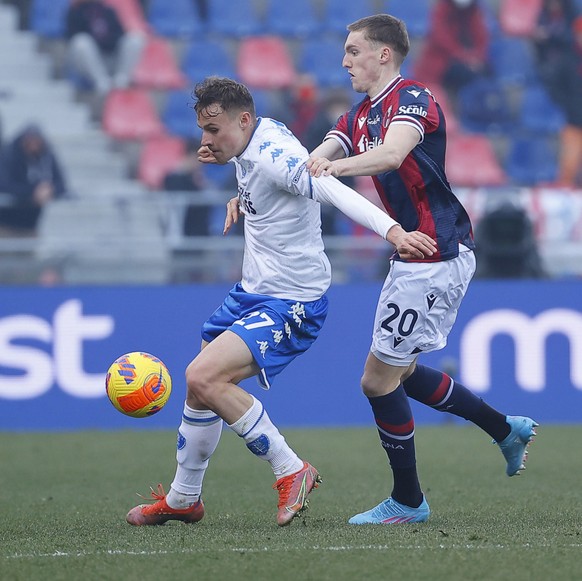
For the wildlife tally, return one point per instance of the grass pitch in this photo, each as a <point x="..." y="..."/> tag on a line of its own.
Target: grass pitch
<point x="63" y="500"/>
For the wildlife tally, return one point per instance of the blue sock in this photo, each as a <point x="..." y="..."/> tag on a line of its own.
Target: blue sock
<point x="441" y="392"/>
<point x="395" y="425"/>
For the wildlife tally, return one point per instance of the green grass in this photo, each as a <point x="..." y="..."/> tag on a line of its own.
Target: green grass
<point x="63" y="500"/>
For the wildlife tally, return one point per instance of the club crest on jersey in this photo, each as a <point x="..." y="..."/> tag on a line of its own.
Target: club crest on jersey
<point x="387" y="116"/>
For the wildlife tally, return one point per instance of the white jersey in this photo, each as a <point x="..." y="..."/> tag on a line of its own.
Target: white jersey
<point x="284" y="253"/>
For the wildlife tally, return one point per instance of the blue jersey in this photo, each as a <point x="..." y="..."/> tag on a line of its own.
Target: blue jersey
<point x="418" y="194"/>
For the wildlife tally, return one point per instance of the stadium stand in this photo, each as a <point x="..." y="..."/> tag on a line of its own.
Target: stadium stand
<point x="47" y="18"/>
<point x="265" y="62"/>
<point x="243" y="18"/>
<point x="472" y="162"/>
<point x="158" y="68"/>
<point x="338" y="13"/>
<point x="177" y="115"/>
<point x="159" y="155"/>
<point x="296" y="19"/>
<point x="174" y="19"/>
<point x="299" y="38"/>
<point x="130" y="114"/>
<point x="518" y="17"/>
<point x="532" y="159"/>
<point x="206" y="56"/>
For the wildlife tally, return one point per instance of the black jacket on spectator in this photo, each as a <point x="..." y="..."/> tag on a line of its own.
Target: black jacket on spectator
<point x="96" y="19"/>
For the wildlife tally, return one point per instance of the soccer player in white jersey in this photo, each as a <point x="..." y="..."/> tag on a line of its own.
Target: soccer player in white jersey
<point x="274" y="313"/>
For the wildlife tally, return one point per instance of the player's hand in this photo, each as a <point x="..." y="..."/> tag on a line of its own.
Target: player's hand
<point x="411" y="245"/>
<point x="232" y="214"/>
<point x="205" y="155"/>
<point x="321" y="166"/>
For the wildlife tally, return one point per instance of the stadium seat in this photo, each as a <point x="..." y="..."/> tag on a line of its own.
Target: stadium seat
<point x="158" y="156"/>
<point x="157" y="68"/>
<point x="296" y="18"/>
<point x="471" y="162"/>
<point x="204" y="57"/>
<point x="484" y="106"/>
<point x="538" y="112"/>
<point x="129" y="114"/>
<point x="322" y="58"/>
<point x="177" y="18"/>
<point x="131" y="14"/>
<point x="339" y="13"/>
<point x="265" y="63"/>
<point x="519" y="17"/>
<point x="47" y="18"/>
<point x="242" y="19"/>
<point x="415" y="13"/>
<point x="532" y="160"/>
<point x="178" y="116"/>
<point x="512" y="60"/>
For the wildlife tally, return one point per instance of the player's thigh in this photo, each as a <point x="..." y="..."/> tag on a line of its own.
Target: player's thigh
<point x="226" y="358"/>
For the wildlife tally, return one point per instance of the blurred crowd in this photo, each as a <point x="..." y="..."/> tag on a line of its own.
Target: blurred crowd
<point x="459" y="57"/>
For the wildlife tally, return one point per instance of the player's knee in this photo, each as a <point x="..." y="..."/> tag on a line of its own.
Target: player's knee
<point x="199" y="384"/>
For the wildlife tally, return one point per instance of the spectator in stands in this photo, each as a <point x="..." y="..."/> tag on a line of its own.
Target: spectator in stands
<point x="558" y="45"/>
<point x="189" y="177"/>
<point x="100" y="49"/>
<point x="31" y="173"/>
<point x="299" y="105"/>
<point x="455" y="51"/>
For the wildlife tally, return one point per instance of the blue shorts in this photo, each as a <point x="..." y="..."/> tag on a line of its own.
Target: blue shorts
<point x="275" y="330"/>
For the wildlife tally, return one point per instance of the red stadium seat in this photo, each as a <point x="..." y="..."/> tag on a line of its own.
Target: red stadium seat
<point x="471" y="162"/>
<point x="159" y="155"/>
<point x="265" y="63"/>
<point x="157" y="68"/>
<point x="519" y="17"/>
<point x="130" y="114"/>
<point x="131" y="14"/>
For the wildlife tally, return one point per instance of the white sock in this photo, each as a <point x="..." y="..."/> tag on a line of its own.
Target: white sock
<point x="198" y="437"/>
<point x="265" y="441"/>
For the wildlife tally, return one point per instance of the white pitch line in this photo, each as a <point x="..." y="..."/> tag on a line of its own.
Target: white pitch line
<point x="339" y="548"/>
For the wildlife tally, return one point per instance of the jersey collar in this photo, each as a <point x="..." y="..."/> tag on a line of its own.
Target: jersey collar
<point x="386" y="90"/>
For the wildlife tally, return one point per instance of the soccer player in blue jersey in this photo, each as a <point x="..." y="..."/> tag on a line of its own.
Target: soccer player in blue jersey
<point x="276" y="311"/>
<point x="397" y="135"/>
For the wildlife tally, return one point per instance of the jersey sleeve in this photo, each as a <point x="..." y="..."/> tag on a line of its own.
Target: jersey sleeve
<point x="341" y="134"/>
<point x="330" y="190"/>
<point x="416" y="108"/>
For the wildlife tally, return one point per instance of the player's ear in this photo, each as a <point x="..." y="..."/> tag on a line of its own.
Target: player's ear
<point x="244" y="120"/>
<point x="386" y="55"/>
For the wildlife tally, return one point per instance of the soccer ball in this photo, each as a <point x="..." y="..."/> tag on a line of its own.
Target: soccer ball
<point x="138" y="384"/>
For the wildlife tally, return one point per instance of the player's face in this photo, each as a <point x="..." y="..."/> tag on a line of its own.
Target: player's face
<point x="223" y="133"/>
<point x="362" y="60"/>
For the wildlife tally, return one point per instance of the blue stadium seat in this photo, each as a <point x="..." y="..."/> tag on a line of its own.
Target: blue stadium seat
<point x="238" y="18"/>
<point x="532" y="159"/>
<point x="538" y="112"/>
<point x="175" y="18"/>
<point x="178" y="117"/>
<point x="512" y="60"/>
<point x="205" y="57"/>
<point x="484" y="106"/>
<point x="47" y="18"/>
<point x="339" y="13"/>
<point x="322" y="57"/>
<point x="294" y="18"/>
<point x="415" y="13"/>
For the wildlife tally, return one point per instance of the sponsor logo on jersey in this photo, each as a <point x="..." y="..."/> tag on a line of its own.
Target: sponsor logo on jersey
<point x="412" y="110"/>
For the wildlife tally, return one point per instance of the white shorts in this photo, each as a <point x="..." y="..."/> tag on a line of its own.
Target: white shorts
<point x="418" y="306"/>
